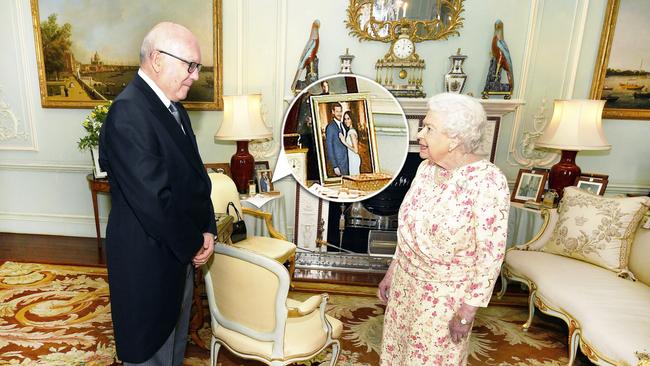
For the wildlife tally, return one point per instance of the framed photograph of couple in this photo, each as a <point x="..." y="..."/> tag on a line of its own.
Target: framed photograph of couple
<point x="529" y="185"/>
<point x="593" y="183"/>
<point x="87" y="51"/>
<point x="344" y="132"/>
<point x="621" y="71"/>
<point x="264" y="177"/>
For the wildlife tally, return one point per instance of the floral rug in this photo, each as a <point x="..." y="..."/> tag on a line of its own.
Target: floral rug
<point x="60" y="315"/>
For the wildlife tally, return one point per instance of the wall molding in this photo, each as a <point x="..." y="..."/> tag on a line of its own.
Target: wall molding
<point x="521" y="150"/>
<point x="50" y="224"/>
<point x="46" y="167"/>
<point x="23" y="130"/>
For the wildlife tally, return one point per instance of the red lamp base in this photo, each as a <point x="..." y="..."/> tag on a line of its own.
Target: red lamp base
<point x="564" y="173"/>
<point x="241" y="167"/>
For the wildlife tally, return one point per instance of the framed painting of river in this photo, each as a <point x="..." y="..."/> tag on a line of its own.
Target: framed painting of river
<point x="88" y="51"/>
<point x="621" y="73"/>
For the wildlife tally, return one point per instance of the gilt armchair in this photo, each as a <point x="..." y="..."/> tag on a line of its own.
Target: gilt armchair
<point x="252" y="317"/>
<point x="275" y="247"/>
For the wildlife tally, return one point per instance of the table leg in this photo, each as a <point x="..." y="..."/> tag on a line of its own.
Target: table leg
<point x="99" y="235"/>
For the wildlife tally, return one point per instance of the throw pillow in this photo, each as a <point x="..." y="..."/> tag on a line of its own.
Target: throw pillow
<point x="597" y="229"/>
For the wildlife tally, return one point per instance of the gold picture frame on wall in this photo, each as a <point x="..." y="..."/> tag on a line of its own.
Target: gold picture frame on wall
<point x="87" y="52"/>
<point x="619" y="75"/>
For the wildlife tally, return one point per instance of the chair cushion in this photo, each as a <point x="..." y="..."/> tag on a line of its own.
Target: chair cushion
<point x="277" y="249"/>
<point x="303" y="337"/>
<point x="612" y="312"/>
<point x="596" y="229"/>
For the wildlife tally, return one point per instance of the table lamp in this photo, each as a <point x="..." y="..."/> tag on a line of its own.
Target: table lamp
<point x="242" y="122"/>
<point x="576" y="125"/>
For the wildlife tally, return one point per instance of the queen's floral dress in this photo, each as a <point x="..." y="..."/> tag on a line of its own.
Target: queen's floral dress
<point x="451" y="243"/>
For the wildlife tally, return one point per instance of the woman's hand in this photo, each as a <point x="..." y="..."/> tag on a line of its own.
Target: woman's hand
<point x="383" y="289"/>
<point x="341" y="137"/>
<point x="457" y="329"/>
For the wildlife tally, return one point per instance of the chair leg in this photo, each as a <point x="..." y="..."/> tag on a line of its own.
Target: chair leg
<point x="336" y="349"/>
<point x="531" y="310"/>
<point x="574" y="341"/>
<point x="292" y="266"/>
<point x="504" y="285"/>
<point x="214" y="351"/>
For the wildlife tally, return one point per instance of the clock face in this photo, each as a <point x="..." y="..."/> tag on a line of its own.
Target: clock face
<point x="403" y="48"/>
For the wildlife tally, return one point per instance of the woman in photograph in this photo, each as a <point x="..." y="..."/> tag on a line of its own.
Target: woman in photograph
<point x="451" y="240"/>
<point x="351" y="141"/>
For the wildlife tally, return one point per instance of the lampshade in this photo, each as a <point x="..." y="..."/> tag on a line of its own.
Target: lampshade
<point x="576" y="125"/>
<point x="242" y="120"/>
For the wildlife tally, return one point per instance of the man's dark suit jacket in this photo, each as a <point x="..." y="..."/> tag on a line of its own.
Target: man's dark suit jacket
<point x="337" y="153"/>
<point x="160" y="209"/>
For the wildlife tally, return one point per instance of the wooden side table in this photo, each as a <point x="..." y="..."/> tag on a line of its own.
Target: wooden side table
<point x="97" y="185"/>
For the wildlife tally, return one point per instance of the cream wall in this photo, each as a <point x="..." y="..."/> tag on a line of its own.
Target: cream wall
<point x="554" y="45"/>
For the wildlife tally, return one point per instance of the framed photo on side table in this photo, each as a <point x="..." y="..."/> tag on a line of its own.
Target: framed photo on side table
<point x="593" y="183"/>
<point x="263" y="177"/>
<point x="529" y="185"/>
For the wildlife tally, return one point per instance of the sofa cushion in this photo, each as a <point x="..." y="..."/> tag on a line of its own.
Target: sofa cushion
<point x="640" y="253"/>
<point x="596" y="229"/>
<point x="612" y="312"/>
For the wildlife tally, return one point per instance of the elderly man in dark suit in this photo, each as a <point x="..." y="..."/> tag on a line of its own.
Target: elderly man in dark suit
<point x="337" y="153"/>
<point x="162" y="221"/>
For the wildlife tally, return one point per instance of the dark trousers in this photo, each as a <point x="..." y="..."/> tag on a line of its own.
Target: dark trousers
<point x="172" y="352"/>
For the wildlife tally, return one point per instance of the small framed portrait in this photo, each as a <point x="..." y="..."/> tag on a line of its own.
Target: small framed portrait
<point x="263" y="177"/>
<point x="593" y="183"/>
<point x="529" y="185"/>
<point x="261" y="165"/>
<point x="344" y="123"/>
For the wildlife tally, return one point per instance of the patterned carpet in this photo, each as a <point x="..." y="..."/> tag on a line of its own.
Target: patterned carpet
<point x="60" y="315"/>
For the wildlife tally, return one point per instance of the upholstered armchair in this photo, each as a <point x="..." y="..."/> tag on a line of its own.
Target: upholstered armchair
<point x="252" y="316"/>
<point x="276" y="247"/>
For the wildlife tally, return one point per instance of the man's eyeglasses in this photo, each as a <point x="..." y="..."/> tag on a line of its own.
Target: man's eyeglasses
<point x="191" y="66"/>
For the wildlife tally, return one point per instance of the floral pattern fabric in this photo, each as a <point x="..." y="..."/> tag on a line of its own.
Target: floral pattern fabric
<point x="595" y="229"/>
<point x="451" y="243"/>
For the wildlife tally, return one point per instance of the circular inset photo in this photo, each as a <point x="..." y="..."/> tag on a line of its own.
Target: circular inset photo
<point x="345" y="138"/>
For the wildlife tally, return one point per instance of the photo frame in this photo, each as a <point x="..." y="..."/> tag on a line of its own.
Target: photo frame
<point x="80" y="67"/>
<point x="264" y="178"/>
<point x="358" y="107"/>
<point x="261" y="165"/>
<point x="310" y="219"/>
<point x="217" y="167"/>
<point x="619" y="75"/>
<point x="593" y="183"/>
<point x="529" y="185"/>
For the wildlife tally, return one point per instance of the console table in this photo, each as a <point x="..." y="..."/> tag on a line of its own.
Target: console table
<point x="97" y="185"/>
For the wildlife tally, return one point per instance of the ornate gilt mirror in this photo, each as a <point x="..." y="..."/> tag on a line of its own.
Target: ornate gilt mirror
<point x="384" y="20"/>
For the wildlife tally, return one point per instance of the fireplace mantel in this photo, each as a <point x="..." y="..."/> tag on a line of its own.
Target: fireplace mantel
<point x="493" y="107"/>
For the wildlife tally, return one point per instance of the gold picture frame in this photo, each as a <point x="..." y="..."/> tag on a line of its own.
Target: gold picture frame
<point x="626" y="98"/>
<point x="91" y="67"/>
<point x="358" y="105"/>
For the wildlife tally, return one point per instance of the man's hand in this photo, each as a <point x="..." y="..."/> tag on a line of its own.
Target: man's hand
<point x="337" y="171"/>
<point x="457" y="330"/>
<point x="205" y="252"/>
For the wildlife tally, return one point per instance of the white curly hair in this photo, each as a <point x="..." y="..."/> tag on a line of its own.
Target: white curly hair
<point x="462" y="117"/>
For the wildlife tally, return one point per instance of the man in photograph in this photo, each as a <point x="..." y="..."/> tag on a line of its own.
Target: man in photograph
<point x="337" y="152"/>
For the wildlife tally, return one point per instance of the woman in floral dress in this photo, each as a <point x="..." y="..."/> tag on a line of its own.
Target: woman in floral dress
<point x="451" y="240"/>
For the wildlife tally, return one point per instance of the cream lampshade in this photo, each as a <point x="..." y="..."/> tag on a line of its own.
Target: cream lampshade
<point x="242" y="122"/>
<point x="576" y="125"/>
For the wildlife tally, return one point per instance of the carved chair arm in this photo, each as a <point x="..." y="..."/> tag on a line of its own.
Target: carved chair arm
<point x="306" y="307"/>
<point x="268" y="220"/>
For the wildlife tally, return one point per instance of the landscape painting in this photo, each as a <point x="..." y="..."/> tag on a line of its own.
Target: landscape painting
<point x="621" y="74"/>
<point x="88" y="50"/>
